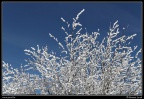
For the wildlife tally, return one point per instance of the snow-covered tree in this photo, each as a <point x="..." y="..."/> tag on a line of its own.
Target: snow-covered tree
<point x="87" y="66"/>
<point x="17" y="81"/>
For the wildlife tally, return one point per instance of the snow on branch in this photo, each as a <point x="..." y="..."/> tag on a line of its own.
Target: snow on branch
<point x="53" y="37"/>
<point x="65" y="22"/>
<point x="64" y="30"/>
<point x="75" y="25"/>
<point x="62" y="19"/>
<point x="78" y="32"/>
<point x="77" y="17"/>
<point x="135" y="47"/>
<point x="61" y="45"/>
<point x="56" y="40"/>
<point x="115" y="24"/>
<point x="138" y="53"/>
<point x="131" y="37"/>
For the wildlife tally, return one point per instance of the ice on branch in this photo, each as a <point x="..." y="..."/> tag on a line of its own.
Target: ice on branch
<point x="135" y="47"/>
<point x="65" y="22"/>
<point x="38" y="50"/>
<point x="53" y="37"/>
<point x="32" y="48"/>
<point x="63" y="28"/>
<point x="69" y="36"/>
<point x="74" y="20"/>
<point x="78" y="32"/>
<point x="62" y="19"/>
<point x="115" y="24"/>
<point x="64" y="52"/>
<point x="61" y="45"/>
<point x="138" y="53"/>
<point x="75" y="25"/>
<point x="131" y="37"/>
<point x="77" y="17"/>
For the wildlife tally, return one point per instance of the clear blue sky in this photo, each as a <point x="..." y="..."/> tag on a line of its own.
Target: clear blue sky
<point x="27" y="24"/>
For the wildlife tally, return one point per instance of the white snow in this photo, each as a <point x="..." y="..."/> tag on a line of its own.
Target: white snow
<point x="62" y="19"/>
<point x="79" y="14"/>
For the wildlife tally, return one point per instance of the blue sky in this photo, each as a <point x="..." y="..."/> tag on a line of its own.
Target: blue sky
<point x="27" y="24"/>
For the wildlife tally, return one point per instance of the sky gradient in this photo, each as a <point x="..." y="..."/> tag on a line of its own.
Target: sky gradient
<point x="27" y="24"/>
